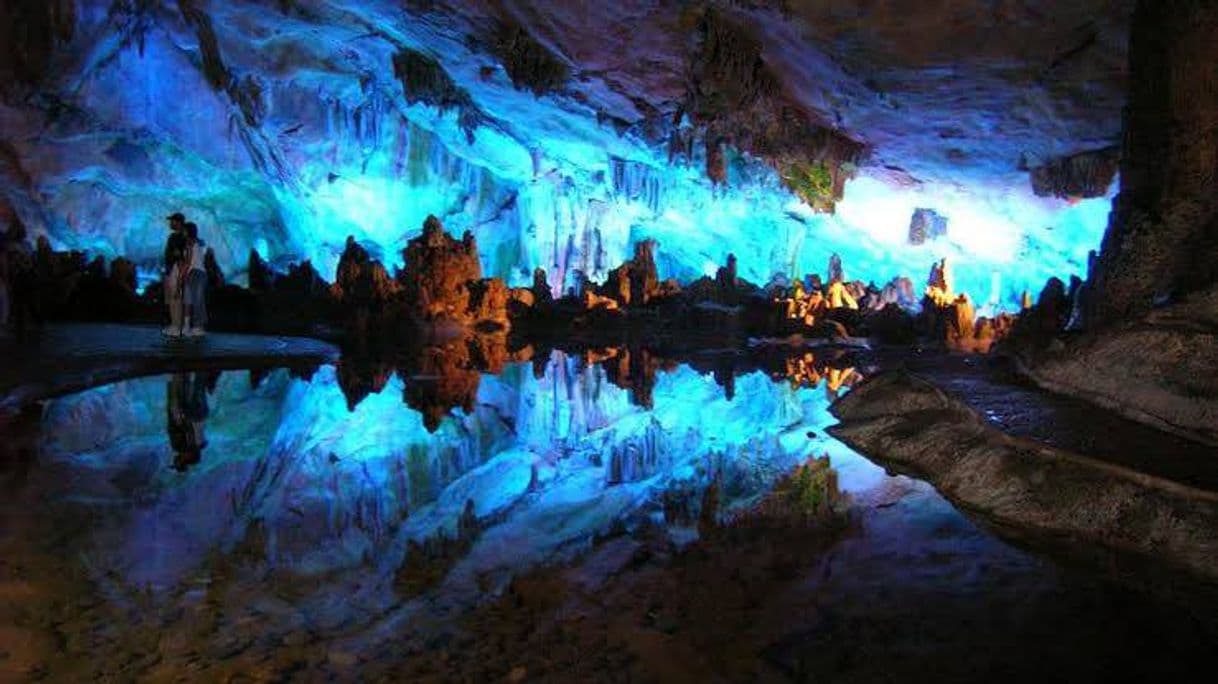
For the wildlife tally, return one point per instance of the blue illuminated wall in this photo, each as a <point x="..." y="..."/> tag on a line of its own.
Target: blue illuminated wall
<point x="337" y="151"/>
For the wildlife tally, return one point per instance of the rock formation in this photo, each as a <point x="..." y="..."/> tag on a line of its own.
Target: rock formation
<point x="914" y="427"/>
<point x="1163" y="231"/>
<point x="727" y="282"/>
<point x="836" y="273"/>
<point x="926" y="224"/>
<point x="634" y="283"/>
<point x="1152" y="295"/>
<point x="437" y="274"/>
<point x="1082" y="175"/>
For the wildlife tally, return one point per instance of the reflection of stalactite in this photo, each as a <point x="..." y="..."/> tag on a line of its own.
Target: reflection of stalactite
<point x="636" y="460"/>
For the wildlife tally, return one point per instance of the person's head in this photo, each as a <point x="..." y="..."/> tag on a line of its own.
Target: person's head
<point x="177" y="221"/>
<point x="192" y="231"/>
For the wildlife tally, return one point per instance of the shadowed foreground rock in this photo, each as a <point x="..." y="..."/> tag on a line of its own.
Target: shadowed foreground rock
<point x="1161" y="370"/>
<point x="1150" y="305"/>
<point x="910" y="425"/>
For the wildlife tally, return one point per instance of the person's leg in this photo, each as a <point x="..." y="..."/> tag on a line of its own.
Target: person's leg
<point x="201" y="302"/>
<point x="191" y="303"/>
<point x="173" y="300"/>
<point x="198" y="409"/>
<point x="196" y="284"/>
<point x="184" y="302"/>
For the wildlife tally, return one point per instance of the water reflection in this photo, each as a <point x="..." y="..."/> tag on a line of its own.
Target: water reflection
<point x="187" y="411"/>
<point x="376" y="501"/>
<point x="446" y="375"/>
<point x="334" y="473"/>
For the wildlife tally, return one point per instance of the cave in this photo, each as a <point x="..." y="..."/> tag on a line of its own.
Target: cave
<point x="649" y="340"/>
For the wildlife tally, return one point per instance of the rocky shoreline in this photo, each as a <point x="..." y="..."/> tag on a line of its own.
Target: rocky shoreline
<point x="906" y="423"/>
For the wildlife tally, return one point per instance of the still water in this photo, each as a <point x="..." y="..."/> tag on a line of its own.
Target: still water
<point x="158" y="526"/>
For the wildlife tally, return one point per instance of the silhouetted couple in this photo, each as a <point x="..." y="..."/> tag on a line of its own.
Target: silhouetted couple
<point x="185" y="279"/>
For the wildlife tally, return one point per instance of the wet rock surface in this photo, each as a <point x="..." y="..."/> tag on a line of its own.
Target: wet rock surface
<point x="909" y="424"/>
<point x="69" y="357"/>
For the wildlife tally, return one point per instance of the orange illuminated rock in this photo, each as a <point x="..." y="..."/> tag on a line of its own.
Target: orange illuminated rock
<point x="438" y="274"/>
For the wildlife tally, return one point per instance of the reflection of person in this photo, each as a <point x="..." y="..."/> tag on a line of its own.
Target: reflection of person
<point x="175" y="255"/>
<point x="187" y="411"/>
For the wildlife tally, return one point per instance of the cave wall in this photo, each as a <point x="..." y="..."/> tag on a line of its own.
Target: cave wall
<point x="1162" y="240"/>
<point x="1151" y="304"/>
<point x="285" y="127"/>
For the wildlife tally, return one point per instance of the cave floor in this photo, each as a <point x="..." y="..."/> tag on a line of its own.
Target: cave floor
<point x="69" y="357"/>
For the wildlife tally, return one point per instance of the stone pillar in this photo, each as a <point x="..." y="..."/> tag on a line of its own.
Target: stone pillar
<point x="1162" y="238"/>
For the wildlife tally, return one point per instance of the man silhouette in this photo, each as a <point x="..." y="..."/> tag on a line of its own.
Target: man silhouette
<point x="175" y="255"/>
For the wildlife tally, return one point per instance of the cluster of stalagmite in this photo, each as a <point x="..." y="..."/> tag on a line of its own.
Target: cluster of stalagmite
<point x="951" y="318"/>
<point x="441" y="284"/>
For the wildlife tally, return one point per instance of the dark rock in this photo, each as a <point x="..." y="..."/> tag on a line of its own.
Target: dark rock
<point x="123" y="274"/>
<point x="892" y="325"/>
<point x="530" y="65"/>
<point x="1083" y="175"/>
<point x="716" y="161"/>
<point x="215" y="276"/>
<point x="735" y="92"/>
<point x="261" y="278"/>
<point x="727" y="282"/>
<point x="907" y="424"/>
<point x="1163" y="230"/>
<point x="542" y="295"/>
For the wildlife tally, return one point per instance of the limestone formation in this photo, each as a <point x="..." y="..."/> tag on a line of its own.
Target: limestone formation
<point x="836" y="273"/>
<point x="1083" y="175"/>
<point x="215" y="276"/>
<point x="1163" y="232"/>
<point x="122" y="273"/>
<point x="542" y="294"/>
<point x="727" y="282"/>
<point x="438" y="272"/>
<point x="634" y="283"/>
<point x="909" y="425"/>
<point x="489" y="302"/>
<point x="360" y="281"/>
<point x="926" y="224"/>
<point x="259" y="274"/>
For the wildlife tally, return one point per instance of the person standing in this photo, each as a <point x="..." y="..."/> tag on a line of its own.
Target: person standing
<point x="195" y="283"/>
<point x="175" y="255"/>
